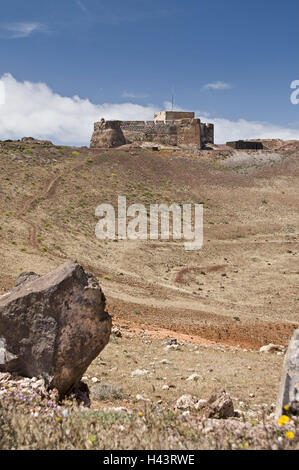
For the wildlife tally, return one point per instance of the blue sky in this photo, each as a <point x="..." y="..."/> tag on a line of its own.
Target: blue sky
<point x="228" y="60"/>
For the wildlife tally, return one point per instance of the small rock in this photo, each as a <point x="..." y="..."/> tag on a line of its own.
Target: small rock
<point x="171" y="347"/>
<point x="185" y="402"/>
<point x="220" y="406"/>
<point x="201" y="404"/>
<point x="116" y="332"/>
<point x="172" y="342"/>
<point x="141" y="398"/>
<point x="95" y="380"/>
<point x="272" y="348"/>
<point x="119" y="409"/>
<point x="193" y="378"/>
<point x="139" y="372"/>
<point x="171" y="385"/>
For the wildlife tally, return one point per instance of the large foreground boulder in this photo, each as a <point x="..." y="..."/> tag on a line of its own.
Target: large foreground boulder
<point x="289" y="387"/>
<point x="53" y="326"/>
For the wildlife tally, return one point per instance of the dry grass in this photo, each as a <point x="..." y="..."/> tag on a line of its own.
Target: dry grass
<point x="37" y="426"/>
<point x="240" y="373"/>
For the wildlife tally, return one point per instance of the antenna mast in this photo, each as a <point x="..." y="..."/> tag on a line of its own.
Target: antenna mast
<point x="172" y="99"/>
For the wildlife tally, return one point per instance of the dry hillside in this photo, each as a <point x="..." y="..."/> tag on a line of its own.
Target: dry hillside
<point x="225" y="301"/>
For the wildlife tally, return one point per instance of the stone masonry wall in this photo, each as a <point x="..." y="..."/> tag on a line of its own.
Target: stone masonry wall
<point x="183" y="132"/>
<point x="149" y="131"/>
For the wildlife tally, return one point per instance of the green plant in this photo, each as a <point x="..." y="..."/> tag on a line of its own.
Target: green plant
<point x="107" y="392"/>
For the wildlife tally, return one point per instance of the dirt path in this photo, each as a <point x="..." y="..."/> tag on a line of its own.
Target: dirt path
<point x="32" y="228"/>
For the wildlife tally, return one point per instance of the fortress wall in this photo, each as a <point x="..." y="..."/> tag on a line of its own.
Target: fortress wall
<point x="183" y="132"/>
<point x="189" y="132"/>
<point x="149" y="131"/>
<point x="148" y="127"/>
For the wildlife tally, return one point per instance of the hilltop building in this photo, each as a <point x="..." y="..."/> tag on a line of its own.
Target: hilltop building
<point x="175" y="128"/>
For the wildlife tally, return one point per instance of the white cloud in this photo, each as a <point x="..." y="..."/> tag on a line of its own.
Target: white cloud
<point x="217" y="86"/>
<point x="2" y="93"/>
<point x="226" y="130"/>
<point x="20" y="30"/>
<point x="33" y="109"/>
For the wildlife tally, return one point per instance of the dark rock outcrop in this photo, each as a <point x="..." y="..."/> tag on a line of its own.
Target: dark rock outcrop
<point x="53" y="326"/>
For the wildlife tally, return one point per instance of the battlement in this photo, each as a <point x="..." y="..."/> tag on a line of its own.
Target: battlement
<point x="172" y="128"/>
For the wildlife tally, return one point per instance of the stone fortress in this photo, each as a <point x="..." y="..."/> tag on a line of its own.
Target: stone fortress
<point x="170" y="128"/>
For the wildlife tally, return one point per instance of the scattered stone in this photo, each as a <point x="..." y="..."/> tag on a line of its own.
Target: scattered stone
<point x="165" y="362"/>
<point x="95" y="380"/>
<point x="272" y="348"/>
<point x="193" y="378"/>
<point x="220" y="406"/>
<point x="165" y="387"/>
<point x="119" y="409"/>
<point x="116" y="332"/>
<point x="171" y="385"/>
<point x="171" y="347"/>
<point x="53" y="326"/>
<point x="186" y="402"/>
<point x="172" y="342"/>
<point x="201" y="404"/>
<point x="289" y="387"/>
<point x="139" y="372"/>
<point x="141" y="398"/>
